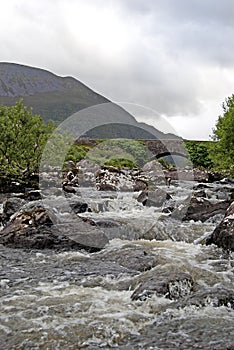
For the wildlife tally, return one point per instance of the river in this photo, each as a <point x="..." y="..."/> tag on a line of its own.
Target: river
<point x="168" y="293"/>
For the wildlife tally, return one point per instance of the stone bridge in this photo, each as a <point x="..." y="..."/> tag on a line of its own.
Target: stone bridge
<point x="157" y="147"/>
<point x="165" y="147"/>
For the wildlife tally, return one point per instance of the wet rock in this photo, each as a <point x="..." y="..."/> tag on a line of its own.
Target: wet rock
<point x="82" y="235"/>
<point x="39" y="228"/>
<point x="10" y="207"/>
<point x="113" y="179"/>
<point x="200" y="193"/>
<point x="223" y="235"/>
<point x="79" y="207"/>
<point x="87" y="173"/>
<point x="102" y="222"/>
<point x="216" y="296"/>
<point x="214" y="176"/>
<point x="25" y="230"/>
<point x="153" y="170"/>
<point x="199" y="209"/>
<point x="154" y="198"/>
<point x="140" y="185"/>
<point x="171" y="284"/>
<point x="68" y="188"/>
<point x="132" y="257"/>
<point x="187" y="175"/>
<point x="225" y="193"/>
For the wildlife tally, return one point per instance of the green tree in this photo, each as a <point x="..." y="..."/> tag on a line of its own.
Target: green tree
<point x="223" y="134"/>
<point x="22" y="139"/>
<point x="199" y="153"/>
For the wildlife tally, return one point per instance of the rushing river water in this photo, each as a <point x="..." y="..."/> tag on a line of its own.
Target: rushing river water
<point x="116" y="298"/>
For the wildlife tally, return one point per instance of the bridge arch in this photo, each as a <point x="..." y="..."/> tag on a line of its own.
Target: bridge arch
<point x="167" y="153"/>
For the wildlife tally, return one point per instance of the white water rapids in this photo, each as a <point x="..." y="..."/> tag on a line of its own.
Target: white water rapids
<point x="77" y="300"/>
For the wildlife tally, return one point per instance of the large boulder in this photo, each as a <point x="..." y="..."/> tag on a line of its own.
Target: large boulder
<point x="39" y="228"/>
<point x="155" y="173"/>
<point x="86" y="172"/>
<point x="223" y="235"/>
<point x="154" y="198"/>
<point x="136" y="258"/>
<point x="170" y="284"/>
<point x="110" y="178"/>
<point x="199" y="209"/>
<point x="11" y="206"/>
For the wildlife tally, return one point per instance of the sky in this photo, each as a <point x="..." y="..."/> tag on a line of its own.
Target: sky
<point x="174" y="58"/>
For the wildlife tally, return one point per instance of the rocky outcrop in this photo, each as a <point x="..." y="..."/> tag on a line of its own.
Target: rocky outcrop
<point x="10" y="207"/>
<point x="39" y="228"/>
<point x="132" y="257"/>
<point x="154" y="198"/>
<point x="223" y="235"/>
<point x="199" y="209"/>
<point x="171" y="284"/>
<point x="154" y="171"/>
<point x="113" y="179"/>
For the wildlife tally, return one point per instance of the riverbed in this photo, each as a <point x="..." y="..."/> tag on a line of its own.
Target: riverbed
<point x="169" y="293"/>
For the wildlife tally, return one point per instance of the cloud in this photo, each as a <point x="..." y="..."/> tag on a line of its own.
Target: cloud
<point x="172" y="56"/>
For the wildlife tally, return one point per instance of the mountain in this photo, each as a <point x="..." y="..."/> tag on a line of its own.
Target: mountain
<point x="51" y="96"/>
<point x="56" y="98"/>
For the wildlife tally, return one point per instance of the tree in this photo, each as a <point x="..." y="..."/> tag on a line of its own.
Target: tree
<point x="199" y="153"/>
<point x="223" y="135"/>
<point x="22" y="139"/>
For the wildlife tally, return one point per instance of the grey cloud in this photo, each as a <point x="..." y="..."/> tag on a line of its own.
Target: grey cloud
<point x="171" y="45"/>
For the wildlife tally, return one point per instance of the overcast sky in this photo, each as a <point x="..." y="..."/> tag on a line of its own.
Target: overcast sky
<point x="175" y="57"/>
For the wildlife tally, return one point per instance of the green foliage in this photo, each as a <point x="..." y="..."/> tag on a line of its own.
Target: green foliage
<point x="77" y="152"/>
<point x="199" y="153"/>
<point x="121" y="163"/>
<point x="22" y="139"/>
<point x="166" y="165"/>
<point x="112" y="150"/>
<point x="222" y="152"/>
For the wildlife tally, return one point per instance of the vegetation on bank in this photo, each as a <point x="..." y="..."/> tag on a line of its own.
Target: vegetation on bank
<point x="24" y="135"/>
<point x="200" y="153"/>
<point x="222" y="151"/>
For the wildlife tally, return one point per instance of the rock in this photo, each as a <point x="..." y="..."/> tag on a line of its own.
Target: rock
<point x="152" y="167"/>
<point x="33" y="195"/>
<point x="199" y="209"/>
<point x="39" y="228"/>
<point x="132" y="257"/>
<point x="154" y="198"/>
<point x="140" y="185"/>
<point x="87" y="172"/>
<point x="215" y="296"/>
<point x="79" y="207"/>
<point x="70" y="164"/>
<point x="214" y="176"/>
<point x="223" y="235"/>
<point x="201" y="186"/>
<point x="170" y="284"/>
<point x="113" y="179"/>
<point x="201" y="193"/>
<point x="153" y="170"/>
<point x="68" y="188"/>
<point x="82" y="235"/>
<point x="10" y="207"/>
<point x="24" y="230"/>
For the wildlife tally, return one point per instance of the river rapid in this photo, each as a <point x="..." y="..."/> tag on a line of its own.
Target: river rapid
<point x="169" y="293"/>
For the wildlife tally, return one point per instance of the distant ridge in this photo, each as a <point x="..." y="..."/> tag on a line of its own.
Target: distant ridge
<point x="57" y="98"/>
<point x="51" y="96"/>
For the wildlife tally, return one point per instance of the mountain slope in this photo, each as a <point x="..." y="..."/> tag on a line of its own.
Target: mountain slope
<point x="51" y="96"/>
<point x="57" y="98"/>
